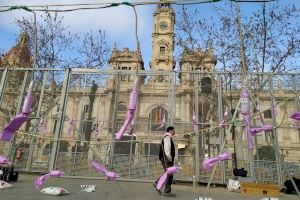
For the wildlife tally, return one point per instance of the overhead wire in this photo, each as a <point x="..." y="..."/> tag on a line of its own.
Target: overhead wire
<point x="95" y="6"/>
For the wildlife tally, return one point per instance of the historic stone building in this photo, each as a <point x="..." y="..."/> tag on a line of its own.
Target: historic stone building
<point x="160" y="96"/>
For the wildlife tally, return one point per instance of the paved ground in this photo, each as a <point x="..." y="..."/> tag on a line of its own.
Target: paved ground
<point x="117" y="190"/>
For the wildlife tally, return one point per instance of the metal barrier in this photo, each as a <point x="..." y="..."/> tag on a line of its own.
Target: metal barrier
<point x="82" y="109"/>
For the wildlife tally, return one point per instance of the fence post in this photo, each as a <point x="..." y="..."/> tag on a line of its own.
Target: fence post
<point x="2" y="84"/>
<point x="35" y="128"/>
<point x="197" y="135"/>
<point x="275" y="135"/>
<point x="297" y="98"/>
<point x="60" y="123"/>
<point x="220" y="117"/>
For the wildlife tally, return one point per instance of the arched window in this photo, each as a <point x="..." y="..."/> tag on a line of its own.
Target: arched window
<point x="156" y="117"/>
<point x="206" y="85"/>
<point x="121" y="106"/>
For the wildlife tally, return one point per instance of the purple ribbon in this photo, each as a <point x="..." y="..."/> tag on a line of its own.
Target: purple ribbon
<point x="265" y="128"/>
<point x="111" y="176"/>
<point x="38" y="182"/>
<point x="19" y="119"/>
<point x="211" y="162"/>
<point x="195" y="122"/>
<point x="163" y="179"/>
<point x="248" y="130"/>
<point x="163" y="122"/>
<point x="130" y="113"/>
<point x="295" y="116"/>
<point x="4" y="160"/>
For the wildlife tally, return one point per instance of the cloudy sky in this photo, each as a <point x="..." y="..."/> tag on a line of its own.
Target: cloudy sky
<point x="118" y="22"/>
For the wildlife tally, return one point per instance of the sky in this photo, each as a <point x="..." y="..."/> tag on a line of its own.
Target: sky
<point x="117" y="22"/>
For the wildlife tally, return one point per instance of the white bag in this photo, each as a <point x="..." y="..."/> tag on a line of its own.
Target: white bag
<point x="54" y="191"/>
<point x="204" y="198"/>
<point x="233" y="185"/>
<point x="4" y="185"/>
<point x="269" y="198"/>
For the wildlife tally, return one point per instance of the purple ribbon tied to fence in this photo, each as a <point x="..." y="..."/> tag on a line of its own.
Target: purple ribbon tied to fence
<point x="38" y="182"/>
<point x="130" y="112"/>
<point x="163" y="122"/>
<point x="209" y="163"/>
<point x="265" y="128"/>
<point x="195" y="122"/>
<point x="19" y="119"/>
<point x="4" y="160"/>
<point x="163" y="179"/>
<point x="111" y="176"/>
<point x="295" y="116"/>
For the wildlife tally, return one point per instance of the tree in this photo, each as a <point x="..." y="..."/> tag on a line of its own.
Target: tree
<point x="58" y="47"/>
<point x="271" y="36"/>
<point x="94" y="52"/>
<point x="53" y="40"/>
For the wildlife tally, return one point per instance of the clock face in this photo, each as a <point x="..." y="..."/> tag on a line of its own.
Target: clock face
<point x="163" y="25"/>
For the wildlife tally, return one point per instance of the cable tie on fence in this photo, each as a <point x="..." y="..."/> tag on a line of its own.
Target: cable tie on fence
<point x="127" y="3"/>
<point x="20" y="7"/>
<point x="114" y="4"/>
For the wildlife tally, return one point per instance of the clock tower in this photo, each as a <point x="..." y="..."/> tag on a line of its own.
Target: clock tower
<point x="163" y="38"/>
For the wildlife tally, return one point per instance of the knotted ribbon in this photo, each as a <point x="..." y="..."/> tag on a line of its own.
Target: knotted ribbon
<point x="130" y="112"/>
<point x="4" y="160"/>
<point x="19" y="119"/>
<point x="38" y="182"/>
<point x="163" y="179"/>
<point x="209" y="163"/>
<point x="266" y="127"/>
<point x="111" y="176"/>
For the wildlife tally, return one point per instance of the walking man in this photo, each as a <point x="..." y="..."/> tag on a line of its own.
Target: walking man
<point x="167" y="156"/>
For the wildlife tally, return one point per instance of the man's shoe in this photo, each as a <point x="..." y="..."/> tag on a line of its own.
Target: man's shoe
<point x="154" y="185"/>
<point x="167" y="191"/>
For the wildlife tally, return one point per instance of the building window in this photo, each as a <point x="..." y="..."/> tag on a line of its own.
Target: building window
<point x="124" y="77"/>
<point x="121" y="106"/>
<point x="268" y="114"/>
<point x="54" y="126"/>
<point x="156" y="117"/>
<point x="206" y="85"/>
<point x="86" y="108"/>
<point x="162" y="51"/>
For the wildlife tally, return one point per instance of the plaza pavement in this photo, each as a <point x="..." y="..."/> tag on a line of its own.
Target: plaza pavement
<point x="115" y="190"/>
